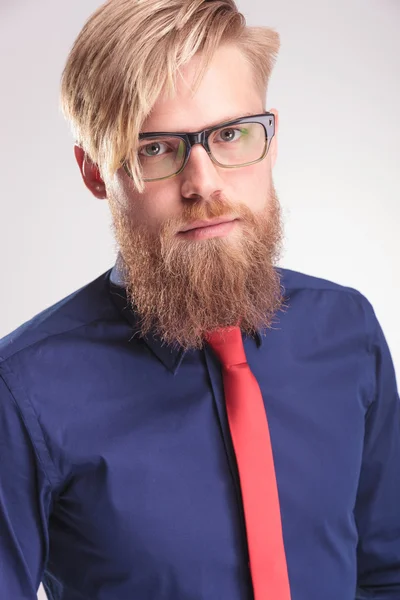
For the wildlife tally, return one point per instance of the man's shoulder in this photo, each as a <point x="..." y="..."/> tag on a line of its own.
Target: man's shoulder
<point x="316" y="298"/>
<point x="297" y="281"/>
<point x="81" y="308"/>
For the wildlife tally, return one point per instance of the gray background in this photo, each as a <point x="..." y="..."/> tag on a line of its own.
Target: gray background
<point x="337" y="87"/>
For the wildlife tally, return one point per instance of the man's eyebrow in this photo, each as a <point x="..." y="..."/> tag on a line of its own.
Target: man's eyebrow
<point x="210" y="125"/>
<point x="227" y="119"/>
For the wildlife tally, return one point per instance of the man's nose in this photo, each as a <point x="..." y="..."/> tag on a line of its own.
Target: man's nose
<point x="200" y="177"/>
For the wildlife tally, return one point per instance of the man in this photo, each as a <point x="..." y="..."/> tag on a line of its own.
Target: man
<point x="138" y="459"/>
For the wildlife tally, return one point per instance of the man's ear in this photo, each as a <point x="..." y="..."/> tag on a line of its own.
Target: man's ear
<point x="274" y="143"/>
<point x="90" y="174"/>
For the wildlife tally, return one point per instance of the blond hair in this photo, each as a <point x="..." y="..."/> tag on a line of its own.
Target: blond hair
<point x="130" y="51"/>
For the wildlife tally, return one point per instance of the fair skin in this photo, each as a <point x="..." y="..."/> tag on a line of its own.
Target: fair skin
<point x="182" y="287"/>
<point x="227" y="90"/>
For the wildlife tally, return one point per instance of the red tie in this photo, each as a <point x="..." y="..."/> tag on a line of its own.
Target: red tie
<point x="251" y="440"/>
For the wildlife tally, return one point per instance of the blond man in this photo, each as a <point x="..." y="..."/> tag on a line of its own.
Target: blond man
<point x="196" y="423"/>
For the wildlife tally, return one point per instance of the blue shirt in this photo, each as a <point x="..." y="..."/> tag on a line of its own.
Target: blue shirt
<point x="118" y="478"/>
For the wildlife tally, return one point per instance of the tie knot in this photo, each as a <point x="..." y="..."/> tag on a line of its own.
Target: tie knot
<point x="227" y="344"/>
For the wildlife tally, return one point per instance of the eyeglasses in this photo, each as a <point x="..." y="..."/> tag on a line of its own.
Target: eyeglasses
<point x="231" y="145"/>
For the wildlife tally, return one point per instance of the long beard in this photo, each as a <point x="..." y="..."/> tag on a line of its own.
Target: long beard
<point x="181" y="289"/>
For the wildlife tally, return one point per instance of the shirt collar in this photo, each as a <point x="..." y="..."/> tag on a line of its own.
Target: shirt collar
<point x="170" y="356"/>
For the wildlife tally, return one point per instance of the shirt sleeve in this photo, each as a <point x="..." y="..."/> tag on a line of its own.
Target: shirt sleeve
<point x="377" y="510"/>
<point x="25" y="498"/>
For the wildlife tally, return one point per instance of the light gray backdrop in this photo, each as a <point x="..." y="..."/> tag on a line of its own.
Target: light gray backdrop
<point x="337" y="87"/>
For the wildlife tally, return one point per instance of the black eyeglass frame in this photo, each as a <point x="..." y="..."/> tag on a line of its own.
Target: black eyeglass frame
<point x="267" y="120"/>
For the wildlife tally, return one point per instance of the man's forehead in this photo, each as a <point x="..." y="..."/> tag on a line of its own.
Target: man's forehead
<point x="226" y="92"/>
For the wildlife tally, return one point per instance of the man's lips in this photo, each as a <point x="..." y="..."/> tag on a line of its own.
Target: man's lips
<point x="209" y="229"/>
<point x="198" y="224"/>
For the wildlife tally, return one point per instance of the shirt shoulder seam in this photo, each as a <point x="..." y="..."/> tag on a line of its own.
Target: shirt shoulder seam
<point x="31" y="422"/>
<point x="340" y="290"/>
<point x="4" y="359"/>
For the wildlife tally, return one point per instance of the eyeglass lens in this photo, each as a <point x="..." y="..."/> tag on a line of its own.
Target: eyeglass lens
<point x="232" y="146"/>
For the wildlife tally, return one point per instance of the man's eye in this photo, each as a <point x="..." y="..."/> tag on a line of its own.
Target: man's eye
<point x="229" y="135"/>
<point x="153" y="149"/>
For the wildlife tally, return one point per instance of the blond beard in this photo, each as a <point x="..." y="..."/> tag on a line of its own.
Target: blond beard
<point x="180" y="289"/>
